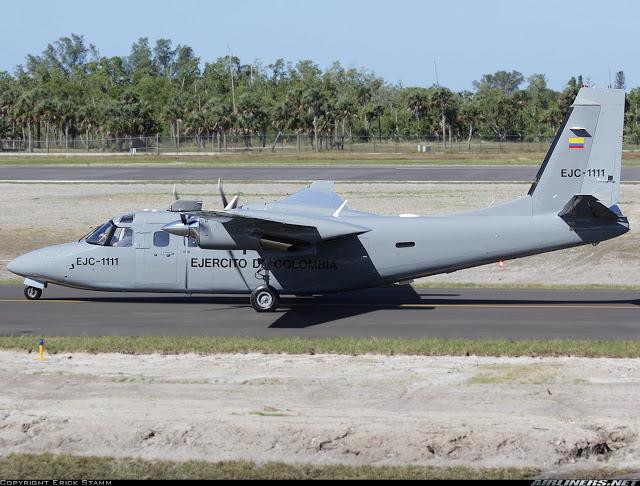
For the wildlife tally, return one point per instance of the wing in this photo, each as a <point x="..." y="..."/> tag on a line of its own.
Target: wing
<point x="288" y="227"/>
<point x="309" y="217"/>
<point x="320" y="194"/>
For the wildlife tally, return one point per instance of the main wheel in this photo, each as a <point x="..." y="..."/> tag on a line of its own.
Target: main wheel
<point x="265" y="299"/>
<point x="32" y="293"/>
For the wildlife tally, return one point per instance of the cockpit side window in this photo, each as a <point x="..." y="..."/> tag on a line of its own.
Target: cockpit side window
<point x="122" y="238"/>
<point x="102" y="235"/>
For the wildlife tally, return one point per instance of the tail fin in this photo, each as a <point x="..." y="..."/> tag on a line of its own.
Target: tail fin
<point x="586" y="155"/>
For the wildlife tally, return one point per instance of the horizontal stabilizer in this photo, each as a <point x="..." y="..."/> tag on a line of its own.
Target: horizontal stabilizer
<point x="587" y="207"/>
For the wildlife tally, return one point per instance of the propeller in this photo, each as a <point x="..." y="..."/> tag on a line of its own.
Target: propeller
<point x="228" y="206"/>
<point x="176" y="196"/>
<point x="187" y="226"/>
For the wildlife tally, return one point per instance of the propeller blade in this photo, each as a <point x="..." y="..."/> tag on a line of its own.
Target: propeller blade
<point x="233" y="204"/>
<point x="231" y="257"/>
<point x="225" y="203"/>
<point x="176" y="196"/>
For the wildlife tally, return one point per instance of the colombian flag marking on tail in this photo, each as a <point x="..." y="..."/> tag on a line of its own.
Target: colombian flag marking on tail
<point x="576" y="143"/>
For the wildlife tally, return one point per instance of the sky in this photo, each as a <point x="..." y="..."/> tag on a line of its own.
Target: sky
<point x="400" y="40"/>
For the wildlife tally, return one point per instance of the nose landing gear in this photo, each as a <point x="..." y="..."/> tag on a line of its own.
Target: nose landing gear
<point x="32" y="293"/>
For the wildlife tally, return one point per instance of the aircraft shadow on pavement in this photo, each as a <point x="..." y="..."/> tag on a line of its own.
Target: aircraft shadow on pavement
<point x="323" y="310"/>
<point x="304" y="313"/>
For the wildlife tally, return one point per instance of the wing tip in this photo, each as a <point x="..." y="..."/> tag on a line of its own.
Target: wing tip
<point x="323" y="186"/>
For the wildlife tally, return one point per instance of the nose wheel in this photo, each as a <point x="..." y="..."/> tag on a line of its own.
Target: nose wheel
<point x="32" y="293"/>
<point x="265" y="299"/>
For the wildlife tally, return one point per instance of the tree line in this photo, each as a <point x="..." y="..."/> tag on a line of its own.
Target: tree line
<point x="70" y="92"/>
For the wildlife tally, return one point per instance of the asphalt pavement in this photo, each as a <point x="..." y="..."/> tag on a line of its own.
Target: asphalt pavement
<point x="257" y="173"/>
<point x="388" y="312"/>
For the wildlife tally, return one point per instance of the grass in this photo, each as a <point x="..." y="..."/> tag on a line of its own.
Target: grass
<point x="519" y="374"/>
<point x="30" y="466"/>
<point x="337" y="346"/>
<point x="302" y="159"/>
<point x="67" y="467"/>
<point x="270" y="161"/>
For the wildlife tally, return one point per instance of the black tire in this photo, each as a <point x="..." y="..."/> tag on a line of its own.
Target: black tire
<point x="265" y="299"/>
<point x="32" y="293"/>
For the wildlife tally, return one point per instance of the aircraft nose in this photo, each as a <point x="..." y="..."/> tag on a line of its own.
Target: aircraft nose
<point x="19" y="266"/>
<point x="41" y="263"/>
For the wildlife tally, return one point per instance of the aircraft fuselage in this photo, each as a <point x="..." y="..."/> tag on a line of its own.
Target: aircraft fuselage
<point x="396" y="249"/>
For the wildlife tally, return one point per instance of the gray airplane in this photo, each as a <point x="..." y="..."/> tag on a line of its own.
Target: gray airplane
<point x="311" y="243"/>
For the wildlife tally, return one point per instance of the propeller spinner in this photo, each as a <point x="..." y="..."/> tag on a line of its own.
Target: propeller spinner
<point x="187" y="226"/>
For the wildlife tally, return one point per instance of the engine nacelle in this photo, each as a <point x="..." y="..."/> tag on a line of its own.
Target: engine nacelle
<point x="212" y="235"/>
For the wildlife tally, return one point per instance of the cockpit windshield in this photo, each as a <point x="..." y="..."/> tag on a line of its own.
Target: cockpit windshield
<point x="111" y="235"/>
<point x="102" y="235"/>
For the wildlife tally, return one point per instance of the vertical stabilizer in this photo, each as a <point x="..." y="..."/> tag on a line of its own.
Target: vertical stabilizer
<point x="586" y="155"/>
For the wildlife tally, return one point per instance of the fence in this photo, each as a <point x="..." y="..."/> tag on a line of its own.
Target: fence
<point x="194" y="146"/>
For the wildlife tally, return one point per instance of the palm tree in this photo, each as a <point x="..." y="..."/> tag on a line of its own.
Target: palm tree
<point x="346" y="110"/>
<point x="312" y="100"/>
<point x="220" y="118"/>
<point x="87" y="121"/>
<point x="47" y="109"/>
<point x="26" y="114"/>
<point x="282" y="118"/>
<point x="442" y="100"/>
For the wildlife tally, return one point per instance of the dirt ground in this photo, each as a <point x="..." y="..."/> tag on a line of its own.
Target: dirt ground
<point x="553" y="413"/>
<point x="37" y="215"/>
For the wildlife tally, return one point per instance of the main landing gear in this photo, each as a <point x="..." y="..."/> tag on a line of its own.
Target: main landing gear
<point x="32" y="293"/>
<point x="265" y="298"/>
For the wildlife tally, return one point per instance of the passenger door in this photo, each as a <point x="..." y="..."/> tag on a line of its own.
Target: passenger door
<point x="163" y="265"/>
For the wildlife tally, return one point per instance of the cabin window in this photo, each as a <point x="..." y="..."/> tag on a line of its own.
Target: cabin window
<point x="161" y="239"/>
<point x="192" y="243"/>
<point x="406" y="244"/>
<point x="122" y="238"/>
